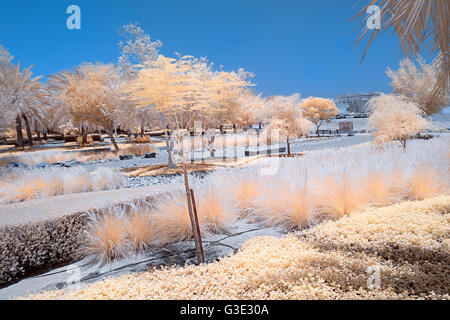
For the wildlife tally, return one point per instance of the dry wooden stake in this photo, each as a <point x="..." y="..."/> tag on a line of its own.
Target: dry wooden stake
<point x="197" y="225"/>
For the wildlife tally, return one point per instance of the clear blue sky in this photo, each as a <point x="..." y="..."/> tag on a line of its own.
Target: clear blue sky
<point x="291" y="45"/>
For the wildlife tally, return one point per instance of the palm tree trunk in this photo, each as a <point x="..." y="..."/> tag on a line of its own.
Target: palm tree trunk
<point x="20" y="143"/>
<point x="27" y="126"/>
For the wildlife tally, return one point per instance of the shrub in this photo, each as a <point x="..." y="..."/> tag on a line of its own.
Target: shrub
<point x="89" y="141"/>
<point x="138" y="149"/>
<point x="143" y="139"/>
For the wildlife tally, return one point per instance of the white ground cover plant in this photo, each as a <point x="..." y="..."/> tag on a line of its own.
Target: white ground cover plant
<point x="322" y="185"/>
<point x="21" y="185"/>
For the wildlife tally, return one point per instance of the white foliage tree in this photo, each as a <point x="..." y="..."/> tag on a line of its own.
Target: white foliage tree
<point x="137" y="50"/>
<point x="418" y="83"/>
<point x="181" y="89"/>
<point x="392" y="117"/>
<point x="287" y="117"/>
<point x="319" y="110"/>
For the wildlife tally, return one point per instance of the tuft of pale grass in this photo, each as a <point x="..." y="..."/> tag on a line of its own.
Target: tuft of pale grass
<point x="379" y="190"/>
<point x="38" y="183"/>
<point x="141" y="229"/>
<point x="289" y="205"/>
<point x="171" y="218"/>
<point x="339" y="196"/>
<point x="32" y="158"/>
<point x="107" y="179"/>
<point x="245" y="190"/>
<point x="107" y="238"/>
<point x="427" y="181"/>
<point x="213" y="210"/>
<point x="79" y="181"/>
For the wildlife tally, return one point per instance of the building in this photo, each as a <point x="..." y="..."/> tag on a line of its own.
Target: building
<point x="357" y="103"/>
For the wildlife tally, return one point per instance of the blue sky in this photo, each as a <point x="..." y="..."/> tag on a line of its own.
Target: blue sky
<point x="290" y="45"/>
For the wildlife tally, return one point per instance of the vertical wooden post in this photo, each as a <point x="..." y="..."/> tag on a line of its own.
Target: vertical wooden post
<point x="197" y="226"/>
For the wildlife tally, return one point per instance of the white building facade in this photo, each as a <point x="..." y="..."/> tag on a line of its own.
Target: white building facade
<point x="357" y="103"/>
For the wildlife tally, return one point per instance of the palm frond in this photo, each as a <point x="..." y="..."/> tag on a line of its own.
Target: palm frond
<point x="420" y="25"/>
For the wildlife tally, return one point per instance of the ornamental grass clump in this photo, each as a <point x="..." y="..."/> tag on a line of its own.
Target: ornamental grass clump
<point x="39" y="183"/>
<point x="290" y="205"/>
<point x="340" y="195"/>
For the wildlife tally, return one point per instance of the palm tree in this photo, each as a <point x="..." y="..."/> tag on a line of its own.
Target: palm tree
<point x="70" y="90"/>
<point x="23" y="97"/>
<point x="420" y="25"/>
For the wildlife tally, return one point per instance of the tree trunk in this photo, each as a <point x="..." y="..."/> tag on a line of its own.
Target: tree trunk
<point x="288" y="147"/>
<point x="83" y="140"/>
<point x="211" y="138"/>
<point x="142" y="131"/>
<point x="39" y="135"/>
<point x="20" y="143"/>
<point x="234" y="128"/>
<point x="27" y="126"/>
<point x="224" y="147"/>
<point x="404" y="144"/>
<point x="317" y="131"/>
<point x="170" y="157"/>
<point x="113" y="141"/>
<point x="45" y="134"/>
